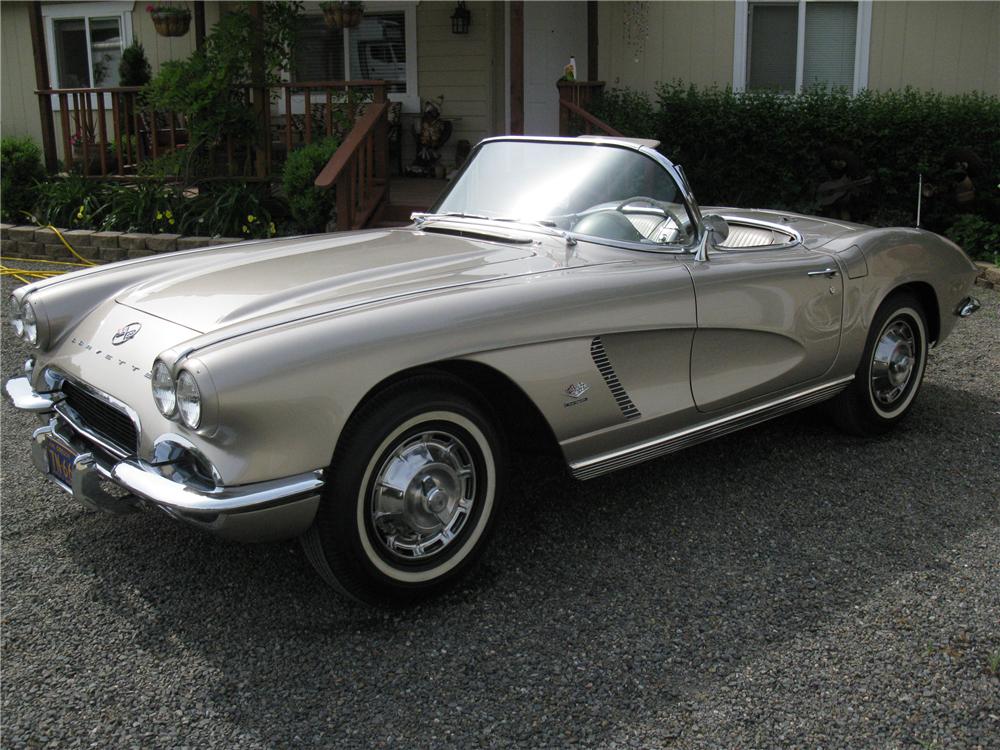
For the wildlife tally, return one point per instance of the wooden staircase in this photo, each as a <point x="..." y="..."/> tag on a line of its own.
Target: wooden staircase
<point x="406" y="195"/>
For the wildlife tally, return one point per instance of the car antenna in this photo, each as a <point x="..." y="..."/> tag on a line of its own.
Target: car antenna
<point x="920" y="194"/>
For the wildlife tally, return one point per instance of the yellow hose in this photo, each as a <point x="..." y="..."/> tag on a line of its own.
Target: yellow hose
<point x="22" y="274"/>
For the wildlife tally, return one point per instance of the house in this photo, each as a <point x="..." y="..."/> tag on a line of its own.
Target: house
<point x="498" y="75"/>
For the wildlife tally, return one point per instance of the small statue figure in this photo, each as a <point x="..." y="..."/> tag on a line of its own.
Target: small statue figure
<point x="431" y="135"/>
<point x="842" y="196"/>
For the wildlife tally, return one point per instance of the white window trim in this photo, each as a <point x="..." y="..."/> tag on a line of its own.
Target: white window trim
<point x="862" y="45"/>
<point x="411" y="98"/>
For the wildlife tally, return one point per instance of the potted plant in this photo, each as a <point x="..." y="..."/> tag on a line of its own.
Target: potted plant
<point x="342" y="15"/>
<point x="170" y="19"/>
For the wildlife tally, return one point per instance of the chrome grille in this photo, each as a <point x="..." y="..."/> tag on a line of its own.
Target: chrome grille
<point x="105" y="420"/>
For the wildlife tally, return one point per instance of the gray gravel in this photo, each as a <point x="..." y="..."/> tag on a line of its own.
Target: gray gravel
<point x="787" y="586"/>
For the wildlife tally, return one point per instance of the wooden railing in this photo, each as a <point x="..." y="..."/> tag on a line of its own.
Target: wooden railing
<point x="358" y="169"/>
<point x="107" y="132"/>
<point x="574" y="119"/>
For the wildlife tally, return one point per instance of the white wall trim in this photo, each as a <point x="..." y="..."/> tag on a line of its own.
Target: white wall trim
<point x="800" y="46"/>
<point x="863" y="45"/>
<point x="740" y="36"/>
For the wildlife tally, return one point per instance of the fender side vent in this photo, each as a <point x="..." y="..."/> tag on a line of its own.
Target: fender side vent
<point x="600" y="357"/>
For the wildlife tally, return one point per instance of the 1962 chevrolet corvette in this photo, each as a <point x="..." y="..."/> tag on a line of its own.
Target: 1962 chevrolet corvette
<point x="362" y="390"/>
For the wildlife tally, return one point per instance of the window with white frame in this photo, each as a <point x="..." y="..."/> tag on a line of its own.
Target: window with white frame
<point x="84" y="42"/>
<point x="383" y="46"/>
<point x="794" y="45"/>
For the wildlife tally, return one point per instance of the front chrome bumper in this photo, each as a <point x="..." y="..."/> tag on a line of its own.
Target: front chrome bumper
<point x="967" y="306"/>
<point x="277" y="509"/>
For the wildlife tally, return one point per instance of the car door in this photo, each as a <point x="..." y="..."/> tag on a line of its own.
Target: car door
<point x="769" y="319"/>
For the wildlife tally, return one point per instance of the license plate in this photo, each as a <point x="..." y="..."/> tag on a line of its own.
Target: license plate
<point x="60" y="462"/>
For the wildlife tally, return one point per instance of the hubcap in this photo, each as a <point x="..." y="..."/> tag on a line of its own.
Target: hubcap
<point x="423" y="494"/>
<point x="893" y="363"/>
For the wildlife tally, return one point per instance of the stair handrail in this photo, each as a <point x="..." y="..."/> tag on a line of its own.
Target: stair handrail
<point x="588" y="118"/>
<point x="358" y="168"/>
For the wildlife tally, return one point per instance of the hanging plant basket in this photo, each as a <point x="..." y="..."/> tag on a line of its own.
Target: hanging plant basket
<point x="171" y="24"/>
<point x="343" y="15"/>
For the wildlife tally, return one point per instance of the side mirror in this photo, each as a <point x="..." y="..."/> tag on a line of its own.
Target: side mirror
<point x="716" y="232"/>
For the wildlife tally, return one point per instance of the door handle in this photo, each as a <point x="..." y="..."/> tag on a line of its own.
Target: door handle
<point x="828" y="272"/>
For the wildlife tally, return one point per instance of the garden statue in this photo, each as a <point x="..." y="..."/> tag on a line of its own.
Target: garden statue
<point x="842" y="196"/>
<point x="431" y="135"/>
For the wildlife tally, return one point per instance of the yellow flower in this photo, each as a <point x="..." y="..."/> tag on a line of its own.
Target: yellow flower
<point x="169" y="215"/>
<point x="245" y="228"/>
<point x="270" y="228"/>
<point x="250" y="218"/>
<point x="159" y="215"/>
<point x="171" y="221"/>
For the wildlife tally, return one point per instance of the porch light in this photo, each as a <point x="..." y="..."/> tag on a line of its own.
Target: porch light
<point x="461" y="19"/>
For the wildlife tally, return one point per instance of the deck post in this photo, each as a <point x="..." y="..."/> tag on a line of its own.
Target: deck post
<point x="42" y="84"/>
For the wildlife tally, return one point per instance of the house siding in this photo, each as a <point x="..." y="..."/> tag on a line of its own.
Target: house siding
<point x="691" y="41"/>
<point x="464" y="68"/>
<point x="951" y="47"/>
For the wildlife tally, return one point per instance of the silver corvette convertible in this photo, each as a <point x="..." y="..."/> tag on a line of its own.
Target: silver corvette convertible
<point x="363" y="390"/>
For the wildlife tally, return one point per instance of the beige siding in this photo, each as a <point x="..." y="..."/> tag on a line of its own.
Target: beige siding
<point x="463" y="68"/>
<point x="18" y="103"/>
<point x="690" y="41"/>
<point x="950" y="47"/>
<point x="161" y="48"/>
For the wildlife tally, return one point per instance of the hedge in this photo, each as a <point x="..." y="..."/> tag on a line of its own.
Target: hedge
<point x="765" y="149"/>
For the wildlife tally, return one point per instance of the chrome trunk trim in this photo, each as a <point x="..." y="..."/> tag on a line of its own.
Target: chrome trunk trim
<point x="675" y="441"/>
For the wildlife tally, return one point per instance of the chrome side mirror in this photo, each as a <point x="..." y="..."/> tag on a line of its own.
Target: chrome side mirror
<point x="716" y="232"/>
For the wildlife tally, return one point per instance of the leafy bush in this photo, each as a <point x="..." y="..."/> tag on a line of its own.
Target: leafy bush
<point x="765" y="149"/>
<point x="134" y="68"/>
<point x="20" y="172"/>
<point x="311" y="207"/>
<point x="72" y="201"/>
<point x="977" y="236"/>
<point x="230" y="210"/>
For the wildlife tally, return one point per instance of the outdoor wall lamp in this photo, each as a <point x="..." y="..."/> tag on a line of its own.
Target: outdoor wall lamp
<point x="461" y="19"/>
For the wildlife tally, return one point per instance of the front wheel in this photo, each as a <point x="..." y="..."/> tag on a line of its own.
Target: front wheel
<point x="891" y="370"/>
<point x="411" y="495"/>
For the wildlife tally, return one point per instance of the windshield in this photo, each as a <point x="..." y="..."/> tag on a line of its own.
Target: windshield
<point x="595" y="190"/>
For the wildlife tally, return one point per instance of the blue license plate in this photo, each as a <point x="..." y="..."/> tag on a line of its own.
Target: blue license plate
<point x="60" y="462"/>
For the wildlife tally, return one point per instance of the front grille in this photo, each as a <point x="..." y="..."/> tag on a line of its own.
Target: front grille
<point x="107" y="421"/>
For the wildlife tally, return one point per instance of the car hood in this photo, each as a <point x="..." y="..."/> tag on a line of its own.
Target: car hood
<point x="211" y="290"/>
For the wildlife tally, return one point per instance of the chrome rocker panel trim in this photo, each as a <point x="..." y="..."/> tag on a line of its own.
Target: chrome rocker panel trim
<point x="277" y="509"/>
<point x="675" y="441"/>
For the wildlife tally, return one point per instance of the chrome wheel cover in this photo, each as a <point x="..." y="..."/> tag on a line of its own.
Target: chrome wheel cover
<point x="895" y="359"/>
<point x="422" y="495"/>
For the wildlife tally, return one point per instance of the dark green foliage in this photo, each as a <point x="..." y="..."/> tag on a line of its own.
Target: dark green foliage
<point x="73" y="201"/>
<point x="977" y="236"/>
<point x="20" y="172"/>
<point x="311" y="207"/>
<point x="763" y="149"/>
<point x="134" y="68"/>
<point x="229" y="210"/>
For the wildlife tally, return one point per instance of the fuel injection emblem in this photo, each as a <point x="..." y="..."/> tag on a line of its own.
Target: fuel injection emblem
<point x="576" y="394"/>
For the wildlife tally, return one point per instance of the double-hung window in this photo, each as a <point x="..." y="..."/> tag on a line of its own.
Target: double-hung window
<point x="793" y="45"/>
<point x="84" y="42"/>
<point x="382" y="47"/>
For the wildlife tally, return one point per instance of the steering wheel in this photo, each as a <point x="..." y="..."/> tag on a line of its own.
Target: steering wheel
<point x="653" y="203"/>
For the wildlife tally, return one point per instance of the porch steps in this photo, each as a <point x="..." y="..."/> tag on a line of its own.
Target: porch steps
<point x="406" y="195"/>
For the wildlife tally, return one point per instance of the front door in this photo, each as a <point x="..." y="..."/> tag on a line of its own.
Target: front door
<point x="768" y="320"/>
<point x="553" y="31"/>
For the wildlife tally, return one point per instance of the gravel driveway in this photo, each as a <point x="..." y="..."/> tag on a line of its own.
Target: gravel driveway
<point x="785" y="586"/>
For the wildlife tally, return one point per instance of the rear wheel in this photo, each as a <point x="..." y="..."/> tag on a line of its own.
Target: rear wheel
<point x="891" y="370"/>
<point x="411" y="494"/>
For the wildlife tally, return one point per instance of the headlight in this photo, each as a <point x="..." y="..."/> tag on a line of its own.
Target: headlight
<point x="163" y="390"/>
<point x="30" y="324"/>
<point x="188" y="400"/>
<point x="16" y="316"/>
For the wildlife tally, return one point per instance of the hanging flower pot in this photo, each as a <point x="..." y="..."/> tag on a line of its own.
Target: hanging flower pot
<point x="170" y="20"/>
<point x="342" y="15"/>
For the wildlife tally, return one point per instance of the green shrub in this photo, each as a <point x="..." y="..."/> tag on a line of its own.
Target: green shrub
<point x="764" y="149"/>
<point x="71" y="201"/>
<point x="20" y="172"/>
<point x="977" y="236"/>
<point x="311" y="207"/>
<point x="134" y="68"/>
<point x="229" y="210"/>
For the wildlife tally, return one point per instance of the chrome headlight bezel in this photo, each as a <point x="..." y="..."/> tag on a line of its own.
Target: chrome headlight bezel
<point x="16" y="313"/>
<point x="164" y="389"/>
<point x="188" y="400"/>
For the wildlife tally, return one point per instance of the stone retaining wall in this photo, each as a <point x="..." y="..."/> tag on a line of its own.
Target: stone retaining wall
<point x="33" y="242"/>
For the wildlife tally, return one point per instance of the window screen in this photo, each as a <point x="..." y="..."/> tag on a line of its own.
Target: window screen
<point x="831" y="30"/>
<point x="378" y="49"/>
<point x="80" y="67"/>
<point x="773" y="32"/>
<point x="319" y="51"/>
